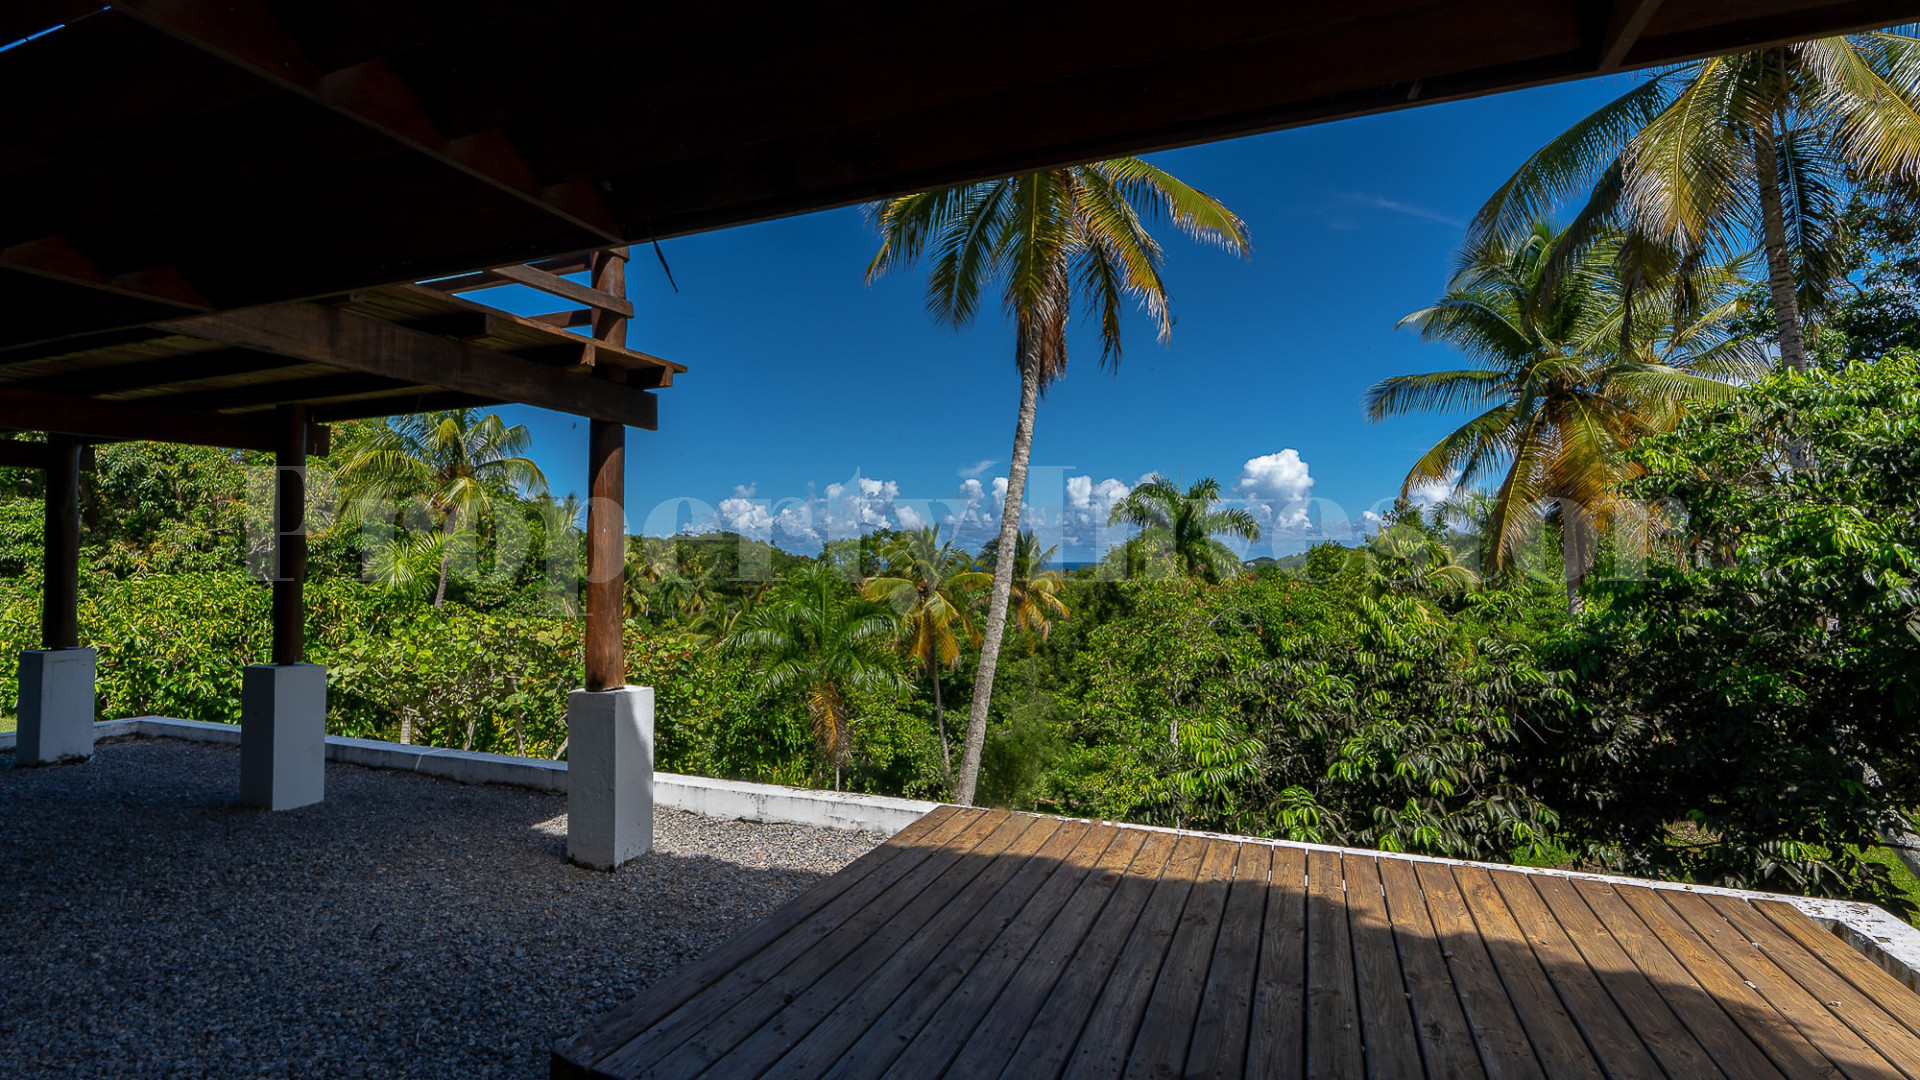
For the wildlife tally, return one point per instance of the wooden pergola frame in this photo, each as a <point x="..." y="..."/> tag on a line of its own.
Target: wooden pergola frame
<point x="271" y="378"/>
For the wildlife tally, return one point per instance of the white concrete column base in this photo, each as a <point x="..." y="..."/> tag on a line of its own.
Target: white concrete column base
<point x="609" y="776"/>
<point x="283" y="735"/>
<point x="56" y="707"/>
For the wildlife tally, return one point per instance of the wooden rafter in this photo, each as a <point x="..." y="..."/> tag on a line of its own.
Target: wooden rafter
<point x="20" y="454"/>
<point x="60" y="259"/>
<point x="358" y="343"/>
<point x="643" y="369"/>
<point x="556" y="285"/>
<point x="34" y="410"/>
<point x="1625" y="23"/>
<point x="246" y="34"/>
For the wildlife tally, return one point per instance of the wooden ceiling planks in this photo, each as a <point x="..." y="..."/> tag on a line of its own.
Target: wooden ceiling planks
<point x="259" y="151"/>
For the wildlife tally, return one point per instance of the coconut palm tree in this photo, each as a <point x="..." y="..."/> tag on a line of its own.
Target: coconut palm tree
<point x="561" y="519"/>
<point x="927" y="585"/>
<point x="810" y="639"/>
<point x="455" y="462"/>
<point x="1407" y="558"/>
<point x="1184" y="524"/>
<point x="1703" y="160"/>
<point x="1034" y="600"/>
<point x="1048" y="238"/>
<point x="1555" y="396"/>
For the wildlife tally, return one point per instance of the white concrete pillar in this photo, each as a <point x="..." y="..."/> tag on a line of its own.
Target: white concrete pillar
<point x="56" y="707"/>
<point x="283" y="735"/>
<point x="609" y="775"/>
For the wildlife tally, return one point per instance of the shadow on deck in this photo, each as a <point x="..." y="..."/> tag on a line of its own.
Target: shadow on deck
<point x="988" y="944"/>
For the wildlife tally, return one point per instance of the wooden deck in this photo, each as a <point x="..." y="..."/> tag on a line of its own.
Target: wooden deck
<point x="988" y="944"/>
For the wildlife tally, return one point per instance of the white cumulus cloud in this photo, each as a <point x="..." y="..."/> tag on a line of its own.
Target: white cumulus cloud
<point x="1434" y="491"/>
<point x="1277" y="488"/>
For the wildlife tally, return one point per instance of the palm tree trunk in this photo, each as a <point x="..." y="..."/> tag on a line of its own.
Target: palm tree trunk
<point x="940" y="722"/>
<point x="447" y="526"/>
<point x="1626" y="315"/>
<point x="1576" y="555"/>
<point x="406" y="726"/>
<point x="1002" y="584"/>
<point x="1786" y="299"/>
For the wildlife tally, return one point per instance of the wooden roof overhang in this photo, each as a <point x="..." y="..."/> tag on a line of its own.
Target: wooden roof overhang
<point x="169" y="158"/>
<point x="217" y="379"/>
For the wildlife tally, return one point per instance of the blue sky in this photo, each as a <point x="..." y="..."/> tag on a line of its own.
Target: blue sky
<point x="804" y="382"/>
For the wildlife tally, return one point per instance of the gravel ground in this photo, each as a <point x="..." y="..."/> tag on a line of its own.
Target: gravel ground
<point x="406" y="927"/>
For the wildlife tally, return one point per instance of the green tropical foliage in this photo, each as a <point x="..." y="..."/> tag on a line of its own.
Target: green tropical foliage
<point x="1750" y="713"/>
<point x="1033" y="598"/>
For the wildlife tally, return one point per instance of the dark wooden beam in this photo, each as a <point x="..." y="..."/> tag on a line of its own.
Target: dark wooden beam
<point x="32" y="410"/>
<point x="358" y="343"/>
<point x="606" y="554"/>
<point x="556" y="285"/>
<point x="399" y="405"/>
<point x="150" y="374"/>
<point x="465" y="325"/>
<point x="1764" y="29"/>
<point x="1625" y="23"/>
<point x="60" y="592"/>
<point x="565" y="320"/>
<point x="20" y="454"/>
<point x="290" y="535"/>
<point x="485" y="279"/>
<point x="308" y="391"/>
<point x="61" y="259"/>
<point x="246" y="34"/>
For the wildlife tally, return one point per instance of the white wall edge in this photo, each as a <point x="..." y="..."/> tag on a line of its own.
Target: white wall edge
<point x="770" y="802"/>
<point x="1889" y="942"/>
<point x="736" y="799"/>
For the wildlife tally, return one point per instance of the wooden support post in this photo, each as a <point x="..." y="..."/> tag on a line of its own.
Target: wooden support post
<point x="290" y="535"/>
<point x="607" y="492"/>
<point x="606" y="554"/>
<point x="60" y="598"/>
<point x="608" y="275"/>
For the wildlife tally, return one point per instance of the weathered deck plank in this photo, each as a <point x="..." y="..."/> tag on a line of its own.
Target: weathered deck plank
<point x="1661" y="973"/>
<point x="1050" y="1036"/>
<point x="984" y="944"/>
<point x="1219" y="1046"/>
<point x="1439" y="1004"/>
<point x="627" y="1022"/>
<point x="1107" y="1040"/>
<point x="991" y="1042"/>
<point x="1610" y="1035"/>
<point x="1553" y="1032"/>
<point x="1277" y="1045"/>
<point x="1838" y="1042"/>
<point x="1386" y="1021"/>
<point x="1748" y="1010"/>
<point x="1333" y="1017"/>
<point x="867" y="1032"/>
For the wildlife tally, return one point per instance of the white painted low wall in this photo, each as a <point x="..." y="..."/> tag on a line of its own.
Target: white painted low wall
<point x="695" y="794"/>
